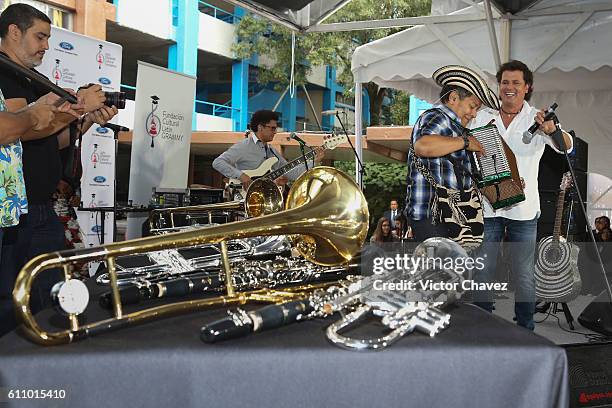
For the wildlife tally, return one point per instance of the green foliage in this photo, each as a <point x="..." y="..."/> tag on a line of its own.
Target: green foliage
<point x="363" y="10"/>
<point x="400" y="108"/>
<point x="256" y="36"/>
<point x="382" y="183"/>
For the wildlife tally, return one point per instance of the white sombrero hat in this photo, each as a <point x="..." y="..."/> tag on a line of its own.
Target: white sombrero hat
<point x="469" y="80"/>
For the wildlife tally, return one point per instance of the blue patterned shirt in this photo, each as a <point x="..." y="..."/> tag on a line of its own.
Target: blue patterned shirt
<point x="440" y="120"/>
<point x="13" y="200"/>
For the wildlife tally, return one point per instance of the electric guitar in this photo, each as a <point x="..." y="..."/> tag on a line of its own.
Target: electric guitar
<point x="264" y="170"/>
<point x="557" y="278"/>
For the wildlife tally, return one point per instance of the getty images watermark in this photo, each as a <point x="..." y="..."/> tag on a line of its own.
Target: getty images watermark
<point x="426" y="272"/>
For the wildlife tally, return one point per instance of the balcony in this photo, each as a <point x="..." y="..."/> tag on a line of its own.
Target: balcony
<point x="157" y="21"/>
<point x="216" y="31"/>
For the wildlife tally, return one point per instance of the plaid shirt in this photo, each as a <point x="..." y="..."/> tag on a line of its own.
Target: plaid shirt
<point x="440" y="120"/>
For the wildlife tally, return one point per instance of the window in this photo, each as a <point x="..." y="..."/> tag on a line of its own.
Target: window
<point x="58" y="16"/>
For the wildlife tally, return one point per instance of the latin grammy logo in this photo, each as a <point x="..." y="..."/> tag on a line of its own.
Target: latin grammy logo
<point x="153" y="123"/>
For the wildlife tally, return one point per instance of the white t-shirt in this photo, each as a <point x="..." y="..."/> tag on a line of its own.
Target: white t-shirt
<point x="527" y="158"/>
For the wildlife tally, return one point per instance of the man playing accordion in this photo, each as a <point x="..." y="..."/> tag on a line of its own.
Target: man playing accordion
<point x="518" y="223"/>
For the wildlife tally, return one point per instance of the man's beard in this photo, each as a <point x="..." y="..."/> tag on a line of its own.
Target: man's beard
<point x="32" y="62"/>
<point x="28" y="60"/>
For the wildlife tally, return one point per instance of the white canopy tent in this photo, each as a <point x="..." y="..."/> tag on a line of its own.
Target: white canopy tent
<point x="566" y="43"/>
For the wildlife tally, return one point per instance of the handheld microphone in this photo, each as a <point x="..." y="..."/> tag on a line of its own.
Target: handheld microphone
<point x="530" y="133"/>
<point x="116" y="128"/>
<point x="295" y="137"/>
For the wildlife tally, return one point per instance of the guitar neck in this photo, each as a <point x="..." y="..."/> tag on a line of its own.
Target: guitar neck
<point x="559" y="216"/>
<point x="293" y="164"/>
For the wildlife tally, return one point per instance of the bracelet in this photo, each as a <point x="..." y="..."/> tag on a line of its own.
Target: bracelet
<point x="466" y="141"/>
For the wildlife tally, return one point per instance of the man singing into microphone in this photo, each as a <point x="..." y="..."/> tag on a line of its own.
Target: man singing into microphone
<point x="518" y="222"/>
<point x="251" y="152"/>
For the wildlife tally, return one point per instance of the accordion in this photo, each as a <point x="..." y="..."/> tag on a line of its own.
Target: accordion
<point x="496" y="172"/>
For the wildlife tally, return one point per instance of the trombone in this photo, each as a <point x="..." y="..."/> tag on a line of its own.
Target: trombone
<point x="324" y="206"/>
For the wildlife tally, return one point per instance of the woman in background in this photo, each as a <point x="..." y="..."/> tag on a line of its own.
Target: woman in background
<point x="382" y="233"/>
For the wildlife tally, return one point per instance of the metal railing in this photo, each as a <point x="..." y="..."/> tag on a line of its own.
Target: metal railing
<point x="217" y="13"/>
<point x="214" y="109"/>
<point x="209" y="108"/>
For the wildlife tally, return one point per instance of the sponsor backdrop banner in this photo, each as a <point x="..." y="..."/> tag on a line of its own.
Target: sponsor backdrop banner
<point x="161" y="137"/>
<point x="74" y="60"/>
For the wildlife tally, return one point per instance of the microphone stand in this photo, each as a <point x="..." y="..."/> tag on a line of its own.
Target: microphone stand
<point x="557" y="137"/>
<point x="302" y="145"/>
<point x="361" y="167"/>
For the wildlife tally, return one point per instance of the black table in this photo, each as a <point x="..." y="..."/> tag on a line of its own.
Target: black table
<point x="480" y="361"/>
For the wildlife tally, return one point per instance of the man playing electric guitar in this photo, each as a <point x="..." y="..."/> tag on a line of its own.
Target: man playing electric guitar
<point x="254" y="150"/>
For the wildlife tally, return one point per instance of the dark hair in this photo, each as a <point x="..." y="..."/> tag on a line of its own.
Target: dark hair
<point x="447" y="89"/>
<point x="516" y="65"/>
<point x="605" y="219"/>
<point x="22" y="15"/>
<point x="261" y="117"/>
<point x="378" y="234"/>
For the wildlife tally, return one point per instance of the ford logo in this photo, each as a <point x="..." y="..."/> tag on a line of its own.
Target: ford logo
<point x="104" y="81"/>
<point x="99" y="179"/>
<point x="101" y="129"/>
<point x="66" y="45"/>
<point x="96" y="228"/>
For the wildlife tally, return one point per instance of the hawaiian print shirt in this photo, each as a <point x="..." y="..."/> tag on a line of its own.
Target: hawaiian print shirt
<point x="13" y="200"/>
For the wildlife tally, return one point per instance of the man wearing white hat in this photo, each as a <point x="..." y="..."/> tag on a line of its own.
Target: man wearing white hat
<point x="438" y="134"/>
<point x="518" y="222"/>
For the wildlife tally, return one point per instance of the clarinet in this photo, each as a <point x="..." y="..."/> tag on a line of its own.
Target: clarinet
<point x="242" y="323"/>
<point x="212" y="282"/>
<point x="319" y="304"/>
<point x="186" y="285"/>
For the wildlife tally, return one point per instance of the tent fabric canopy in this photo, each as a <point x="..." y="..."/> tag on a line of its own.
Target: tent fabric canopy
<point x="297" y="15"/>
<point x="566" y="43"/>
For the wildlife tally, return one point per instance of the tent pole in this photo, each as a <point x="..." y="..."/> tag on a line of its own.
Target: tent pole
<point x="492" y="36"/>
<point x="506" y="29"/>
<point x="358" y="130"/>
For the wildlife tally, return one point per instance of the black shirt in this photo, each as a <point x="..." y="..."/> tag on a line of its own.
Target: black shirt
<point x="41" y="159"/>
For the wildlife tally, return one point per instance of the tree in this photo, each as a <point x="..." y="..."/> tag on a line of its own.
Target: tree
<point x="382" y="183"/>
<point x="400" y="108"/>
<point x="255" y="36"/>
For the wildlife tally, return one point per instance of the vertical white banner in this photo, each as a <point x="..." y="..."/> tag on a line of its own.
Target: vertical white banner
<point x="74" y="60"/>
<point x="162" y="135"/>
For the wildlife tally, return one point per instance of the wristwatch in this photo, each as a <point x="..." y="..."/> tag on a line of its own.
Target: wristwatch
<point x="466" y="140"/>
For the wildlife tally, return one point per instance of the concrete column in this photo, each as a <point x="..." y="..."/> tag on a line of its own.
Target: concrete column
<point x="240" y="88"/>
<point x="329" y="97"/>
<point x="90" y="18"/>
<point x="183" y="56"/>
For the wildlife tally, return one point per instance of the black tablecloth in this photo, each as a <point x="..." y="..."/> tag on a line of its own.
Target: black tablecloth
<point x="479" y="361"/>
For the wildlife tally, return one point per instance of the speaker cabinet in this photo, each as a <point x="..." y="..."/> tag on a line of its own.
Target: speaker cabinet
<point x="597" y="316"/>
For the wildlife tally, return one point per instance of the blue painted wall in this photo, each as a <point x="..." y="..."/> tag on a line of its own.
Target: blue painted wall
<point x="183" y="56"/>
<point x="240" y="88"/>
<point x="266" y="99"/>
<point x="417" y="106"/>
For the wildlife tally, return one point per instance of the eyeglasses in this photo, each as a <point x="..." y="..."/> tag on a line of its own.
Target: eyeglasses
<point x="272" y="128"/>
